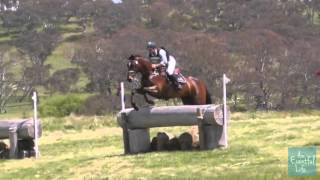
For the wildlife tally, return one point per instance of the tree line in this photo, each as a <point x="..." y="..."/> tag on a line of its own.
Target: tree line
<point x="269" y="48"/>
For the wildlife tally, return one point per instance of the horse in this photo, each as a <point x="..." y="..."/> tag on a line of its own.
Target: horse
<point x="156" y="84"/>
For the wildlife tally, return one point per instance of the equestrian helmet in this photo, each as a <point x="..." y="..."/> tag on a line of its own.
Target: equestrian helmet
<point x="151" y="44"/>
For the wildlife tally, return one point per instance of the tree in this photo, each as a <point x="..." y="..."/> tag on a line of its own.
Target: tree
<point x="99" y="65"/>
<point x="37" y="46"/>
<point x="110" y="20"/>
<point x="62" y="80"/>
<point x="8" y="84"/>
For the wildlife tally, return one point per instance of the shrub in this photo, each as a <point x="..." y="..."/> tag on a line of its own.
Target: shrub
<point x="100" y="105"/>
<point x="62" y="105"/>
<point x="63" y="80"/>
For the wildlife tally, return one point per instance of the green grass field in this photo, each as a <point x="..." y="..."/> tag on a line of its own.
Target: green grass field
<point x="92" y="148"/>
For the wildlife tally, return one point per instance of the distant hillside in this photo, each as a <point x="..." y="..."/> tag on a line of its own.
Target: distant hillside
<point x="268" y="48"/>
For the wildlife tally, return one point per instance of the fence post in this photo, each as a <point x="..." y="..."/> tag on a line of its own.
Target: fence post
<point x="13" y="137"/>
<point x="122" y="96"/>
<point x="125" y="134"/>
<point x="225" y="80"/>
<point x="35" y="122"/>
<point x="200" y="129"/>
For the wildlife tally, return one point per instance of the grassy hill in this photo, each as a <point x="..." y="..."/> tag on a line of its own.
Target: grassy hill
<point x="59" y="59"/>
<point x="94" y="150"/>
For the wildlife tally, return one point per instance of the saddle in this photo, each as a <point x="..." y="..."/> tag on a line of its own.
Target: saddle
<point x="178" y="75"/>
<point x="161" y="71"/>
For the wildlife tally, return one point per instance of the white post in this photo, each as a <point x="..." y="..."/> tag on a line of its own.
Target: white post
<point x="225" y="123"/>
<point x="35" y="122"/>
<point x="122" y="96"/>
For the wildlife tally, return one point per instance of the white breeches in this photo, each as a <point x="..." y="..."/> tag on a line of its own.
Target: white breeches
<point x="171" y="65"/>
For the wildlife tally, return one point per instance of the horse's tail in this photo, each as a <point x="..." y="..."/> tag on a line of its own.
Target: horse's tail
<point x="208" y="97"/>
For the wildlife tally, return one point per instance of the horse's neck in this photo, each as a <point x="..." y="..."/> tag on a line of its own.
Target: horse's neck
<point x="147" y="69"/>
<point x="146" y="75"/>
<point x="146" y="78"/>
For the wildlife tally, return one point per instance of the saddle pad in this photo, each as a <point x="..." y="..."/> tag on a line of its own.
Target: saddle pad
<point x="181" y="79"/>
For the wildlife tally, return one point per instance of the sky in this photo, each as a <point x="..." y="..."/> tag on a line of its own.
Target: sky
<point x="116" y="1"/>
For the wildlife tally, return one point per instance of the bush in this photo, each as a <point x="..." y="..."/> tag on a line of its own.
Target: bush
<point x="239" y="108"/>
<point x="63" y="80"/>
<point x="62" y="105"/>
<point x="100" y="105"/>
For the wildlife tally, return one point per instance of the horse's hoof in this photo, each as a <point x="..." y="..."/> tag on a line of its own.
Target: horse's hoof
<point x="135" y="108"/>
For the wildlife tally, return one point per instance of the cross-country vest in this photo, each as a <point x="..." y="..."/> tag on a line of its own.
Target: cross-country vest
<point x="155" y="58"/>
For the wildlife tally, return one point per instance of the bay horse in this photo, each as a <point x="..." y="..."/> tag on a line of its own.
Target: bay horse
<point x="141" y="72"/>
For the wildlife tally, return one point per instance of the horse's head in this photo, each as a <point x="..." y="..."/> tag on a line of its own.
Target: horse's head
<point x="137" y="65"/>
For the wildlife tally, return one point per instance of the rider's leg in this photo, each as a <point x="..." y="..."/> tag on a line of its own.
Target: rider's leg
<point x="170" y="72"/>
<point x="171" y="65"/>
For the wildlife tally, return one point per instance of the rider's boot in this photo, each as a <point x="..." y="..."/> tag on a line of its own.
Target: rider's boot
<point x="175" y="82"/>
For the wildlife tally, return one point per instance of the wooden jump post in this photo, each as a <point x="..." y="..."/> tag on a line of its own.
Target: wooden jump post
<point x="225" y="81"/>
<point x="35" y="122"/>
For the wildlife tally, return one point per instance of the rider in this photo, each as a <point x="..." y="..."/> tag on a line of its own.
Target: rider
<point x="166" y="60"/>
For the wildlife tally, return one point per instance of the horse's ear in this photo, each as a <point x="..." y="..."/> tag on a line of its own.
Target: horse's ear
<point x="132" y="57"/>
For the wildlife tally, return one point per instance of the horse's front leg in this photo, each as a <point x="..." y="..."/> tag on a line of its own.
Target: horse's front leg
<point x="132" y="101"/>
<point x="147" y="99"/>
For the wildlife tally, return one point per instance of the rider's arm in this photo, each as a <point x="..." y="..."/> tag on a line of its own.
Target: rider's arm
<point x="163" y="56"/>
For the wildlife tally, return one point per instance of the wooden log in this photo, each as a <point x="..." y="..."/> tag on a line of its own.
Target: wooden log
<point x="153" y="144"/>
<point x="212" y="136"/>
<point x="173" y="144"/>
<point x="162" y="141"/>
<point x="200" y="129"/>
<point x="185" y="141"/>
<point x="25" y="129"/>
<point x="125" y="134"/>
<point x="13" y="136"/>
<point x="166" y="116"/>
<point x="139" y="140"/>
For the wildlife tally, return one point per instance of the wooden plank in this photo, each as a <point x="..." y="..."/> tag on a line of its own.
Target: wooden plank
<point x="200" y="128"/>
<point x="13" y="136"/>
<point x="139" y="140"/>
<point x="212" y="136"/>
<point x="166" y="116"/>
<point x="125" y="134"/>
<point x="25" y="129"/>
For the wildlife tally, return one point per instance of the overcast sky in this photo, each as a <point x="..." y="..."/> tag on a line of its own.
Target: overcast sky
<point x="117" y="1"/>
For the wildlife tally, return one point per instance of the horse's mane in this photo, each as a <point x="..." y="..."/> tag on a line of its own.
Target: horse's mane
<point x="138" y="57"/>
<point x="134" y="56"/>
<point x="142" y="59"/>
